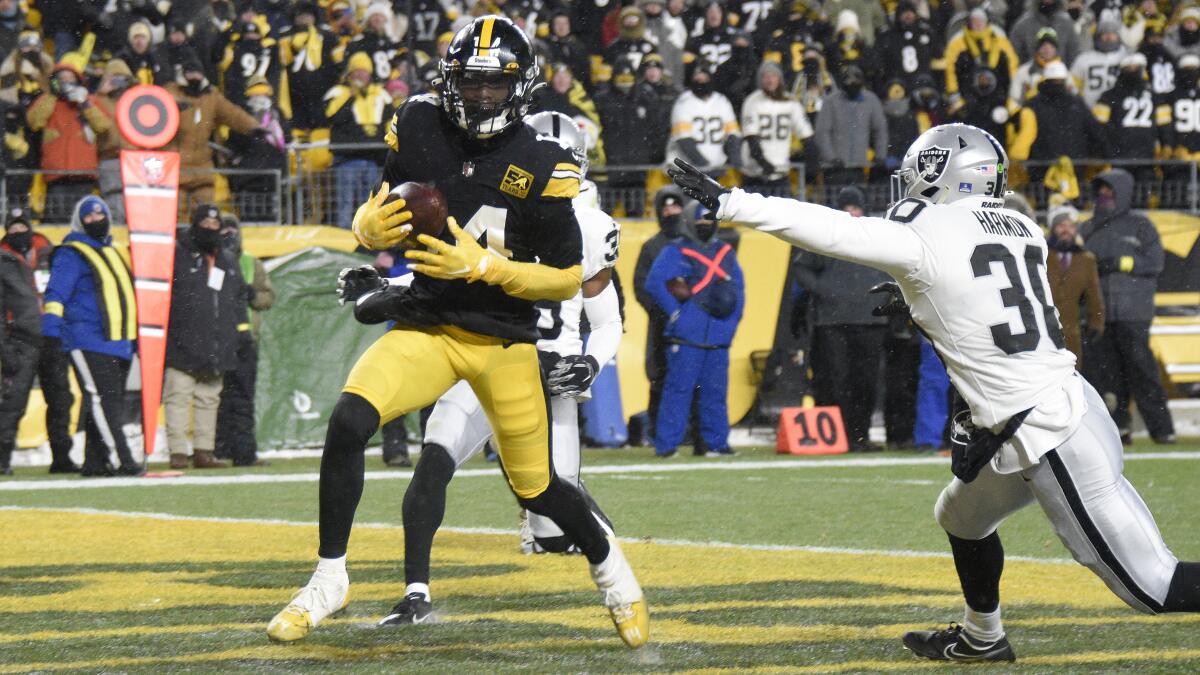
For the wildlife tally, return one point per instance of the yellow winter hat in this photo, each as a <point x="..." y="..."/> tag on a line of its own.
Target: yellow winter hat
<point x="360" y="61"/>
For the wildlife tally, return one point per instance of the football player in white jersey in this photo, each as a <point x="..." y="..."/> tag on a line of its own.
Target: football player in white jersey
<point x="458" y="428"/>
<point x="770" y="117"/>
<point x="704" y="127"/>
<point x="973" y="275"/>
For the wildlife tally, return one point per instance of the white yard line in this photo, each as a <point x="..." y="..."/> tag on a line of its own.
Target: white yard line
<point x="893" y="553"/>
<point x="613" y="469"/>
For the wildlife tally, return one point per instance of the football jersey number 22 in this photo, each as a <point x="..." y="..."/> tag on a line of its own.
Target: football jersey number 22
<point x="1017" y="296"/>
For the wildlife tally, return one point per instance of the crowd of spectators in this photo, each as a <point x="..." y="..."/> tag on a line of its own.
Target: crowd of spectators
<point x="748" y="90"/>
<point x="760" y="86"/>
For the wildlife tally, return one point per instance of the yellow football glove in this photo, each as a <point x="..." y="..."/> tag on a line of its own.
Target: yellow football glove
<point x="466" y="260"/>
<point x="380" y="226"/>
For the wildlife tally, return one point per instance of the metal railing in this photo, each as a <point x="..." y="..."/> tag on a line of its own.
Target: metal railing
<point x="321" y="191"/>
<point x="257" y="197"/>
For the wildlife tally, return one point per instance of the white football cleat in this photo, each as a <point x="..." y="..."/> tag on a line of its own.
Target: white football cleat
<point x="325" y="594"/>
<point x="623" y="596"/>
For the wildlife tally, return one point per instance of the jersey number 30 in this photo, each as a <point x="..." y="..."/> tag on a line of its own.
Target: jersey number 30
<point x="1017" y="296"/>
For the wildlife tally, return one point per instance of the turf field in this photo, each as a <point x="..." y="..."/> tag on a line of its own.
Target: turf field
<point x="758" y="563"/>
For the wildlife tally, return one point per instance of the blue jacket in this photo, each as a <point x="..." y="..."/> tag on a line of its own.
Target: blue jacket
<point x="72" y="286"/>
<point x="689" y="322"/>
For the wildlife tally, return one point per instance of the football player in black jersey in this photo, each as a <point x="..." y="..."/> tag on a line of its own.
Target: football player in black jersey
<point x="469" y="313"/>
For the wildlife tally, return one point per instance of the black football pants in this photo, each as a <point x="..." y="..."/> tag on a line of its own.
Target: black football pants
<point x="845" y="373"/>
<point x="902" y="358"/>
<point x="235" y="414"/>
<point x="102" y="378"/>
<point x="22" y="363"/>
<point x="1128" y="368"/>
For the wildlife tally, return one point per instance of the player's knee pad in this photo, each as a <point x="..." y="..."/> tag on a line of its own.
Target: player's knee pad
<point x="544" y="502"/>
<point x="951" y="520"/>
<point x="559" y="544"/>
<point x="435" y="467"/>
<point x="354" y="420"/>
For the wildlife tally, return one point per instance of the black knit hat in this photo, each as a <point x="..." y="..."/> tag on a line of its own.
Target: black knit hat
<point x="851" y="196"/>
<point x="204" y="212"/>
<point x="16" y="215"/>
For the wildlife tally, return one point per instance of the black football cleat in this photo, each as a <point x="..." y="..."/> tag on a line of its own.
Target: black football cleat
<point x="133" y="469"/>
<point x="414" y="608"/>
<point x="953" y="644"/>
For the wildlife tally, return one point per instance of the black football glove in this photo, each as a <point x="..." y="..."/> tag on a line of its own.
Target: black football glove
<point x="572" y="375"/>
<point x="547" y="361"/>
<point x="972" y="448"/>
<point x="355" y="282"/>
<point x="697" y="185"/>
<point x="893" y="304"/>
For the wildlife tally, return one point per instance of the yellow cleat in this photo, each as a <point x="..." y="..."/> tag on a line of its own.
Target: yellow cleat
<point x="324" y="596"/>
<point x="623" y="596"/>
<point x="290" y="624"/>
<point x="632" y="622"/>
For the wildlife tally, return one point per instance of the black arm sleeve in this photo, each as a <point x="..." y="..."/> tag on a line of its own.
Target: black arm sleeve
<point x="560" y="243"/>
<point x="689" y="151"/>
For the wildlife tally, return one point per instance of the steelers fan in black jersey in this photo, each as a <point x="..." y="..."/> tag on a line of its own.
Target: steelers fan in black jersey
<point x="469" y="312"/>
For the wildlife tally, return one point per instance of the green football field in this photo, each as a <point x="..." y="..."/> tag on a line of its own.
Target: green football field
<point x="759" y="563"/>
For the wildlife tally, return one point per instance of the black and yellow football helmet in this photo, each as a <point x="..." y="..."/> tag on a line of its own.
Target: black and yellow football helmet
<point x="488" y="75"/>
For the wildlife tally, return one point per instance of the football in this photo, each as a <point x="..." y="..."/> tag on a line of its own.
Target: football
<point x="427" y="204"/>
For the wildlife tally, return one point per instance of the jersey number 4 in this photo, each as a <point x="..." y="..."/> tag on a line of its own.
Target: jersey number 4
<point x="1017" y="296"/>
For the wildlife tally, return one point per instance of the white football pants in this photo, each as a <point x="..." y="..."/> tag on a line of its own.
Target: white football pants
<point x="1095" y="512"/>
<point x="459" y="425"/>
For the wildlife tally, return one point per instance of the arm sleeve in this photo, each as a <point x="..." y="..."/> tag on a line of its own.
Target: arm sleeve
<point x="533" y="281"/>
<point x="879" y="131"/>
<point x="264" y="292"/>
<point x="97" y="118"/>
<point x="755" y="146"/>
<point x="824" y="132"/>
<point x="1148" y="261"/>
<point x="64" y="274"/>
<point x="1094" y="297"/>
<point x="604" y="316"/>
<point x="641" y="271"/>
<point x="234" y="117"/>
<point x="800" y="123"/>
<point x="1024" y="135"/>
<point x="875" y="242"/>
<point x="690" y="151"/>
<point x="39" y="113"/>
<point x="740" y="280"/>
<point x="559" y="273"/>
<point x="953" y="50"/>
<point x="733" y="150"/>
<point x="665" y="268"/>
<point x="749" y="119"/>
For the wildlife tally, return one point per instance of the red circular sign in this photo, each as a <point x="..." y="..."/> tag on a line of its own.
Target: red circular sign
<point x="147" y="116"/>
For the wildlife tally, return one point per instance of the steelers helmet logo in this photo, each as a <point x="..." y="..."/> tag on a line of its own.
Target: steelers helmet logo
<point x="147" y="116"/>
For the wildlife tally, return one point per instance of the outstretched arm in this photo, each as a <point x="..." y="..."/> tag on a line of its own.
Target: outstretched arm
<point x="875" y="242"/>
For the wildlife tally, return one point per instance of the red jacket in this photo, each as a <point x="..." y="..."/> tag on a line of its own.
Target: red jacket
<point x="66" y="143"/>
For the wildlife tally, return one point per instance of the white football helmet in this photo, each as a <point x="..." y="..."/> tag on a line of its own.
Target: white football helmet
<point x="566" y="130"/>
<point x="952" y="162"/>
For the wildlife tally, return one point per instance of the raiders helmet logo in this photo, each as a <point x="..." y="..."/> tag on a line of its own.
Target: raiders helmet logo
<point x="931" y="163"/>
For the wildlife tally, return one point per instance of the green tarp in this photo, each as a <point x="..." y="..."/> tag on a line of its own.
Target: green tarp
<point x="307" y="346"/>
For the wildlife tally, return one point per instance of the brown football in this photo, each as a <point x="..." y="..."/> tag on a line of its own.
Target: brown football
<point x="428" y="207"/>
